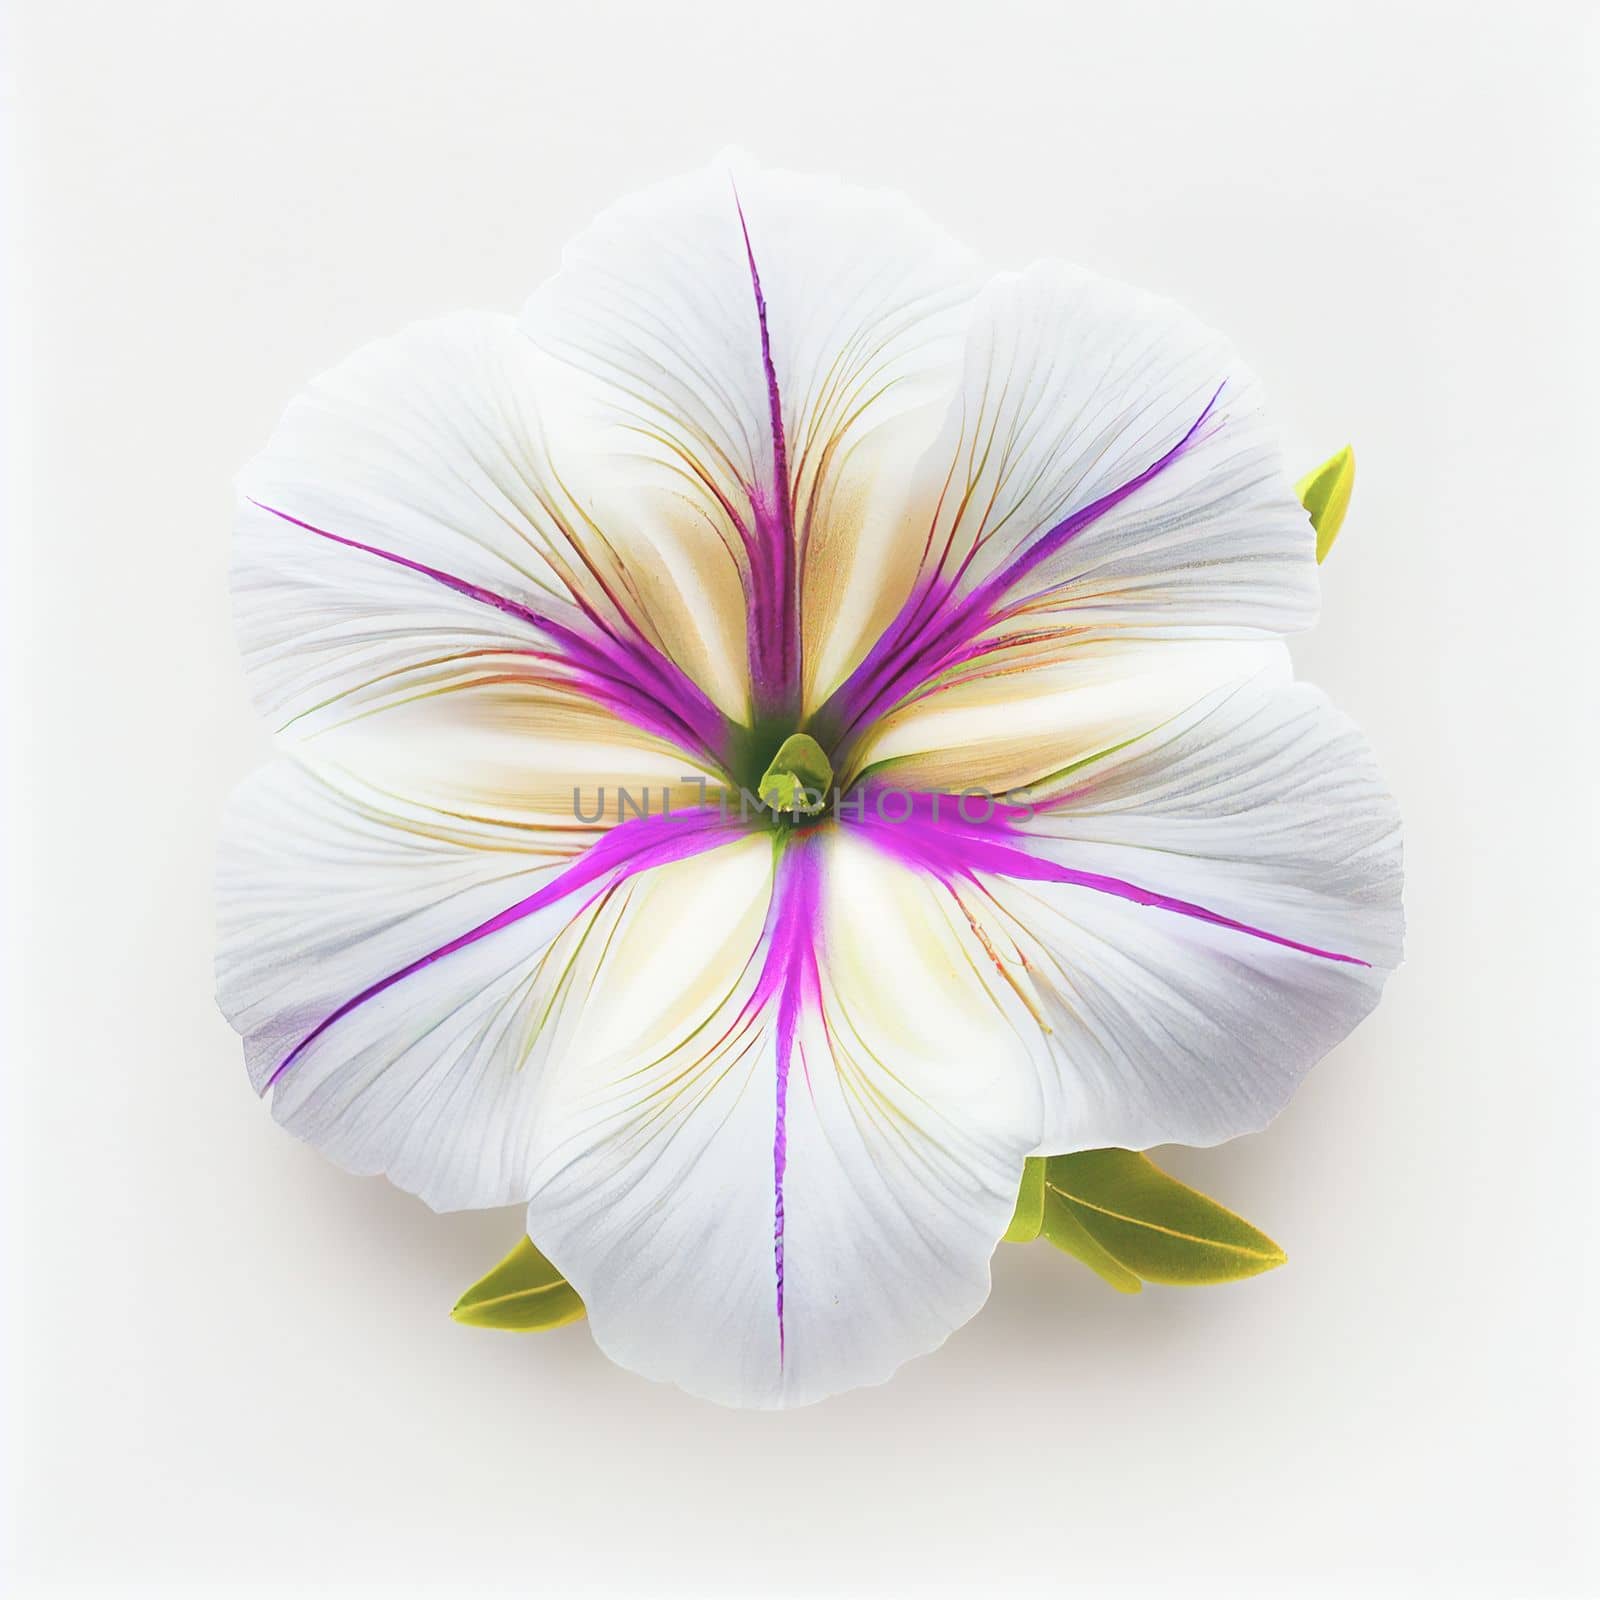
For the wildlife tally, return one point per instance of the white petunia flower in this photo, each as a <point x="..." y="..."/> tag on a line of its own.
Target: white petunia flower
<point x="979" y="581"/>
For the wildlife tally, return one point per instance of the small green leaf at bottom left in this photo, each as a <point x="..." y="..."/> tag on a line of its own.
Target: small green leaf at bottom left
<point x="523" y="1294"/>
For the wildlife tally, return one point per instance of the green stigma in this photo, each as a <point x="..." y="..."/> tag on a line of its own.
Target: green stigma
<point x="798" y="779"/>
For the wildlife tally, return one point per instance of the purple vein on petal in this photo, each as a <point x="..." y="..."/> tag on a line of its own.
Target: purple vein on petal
<point x="1042" y="549"/>
<point x="936" y="838"/>
<point x="628" y="676"/>
<point x="629" y="848"/>
<point x="937" y="628"/>
<point x="790" y="974"/>
<point x="460" y="585"/>
<point x="771" y="588"/>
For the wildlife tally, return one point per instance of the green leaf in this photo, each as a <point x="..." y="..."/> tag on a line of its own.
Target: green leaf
<point x="1148" y="1224"/>
<point x="1065" y="1232"/>
<point x="1028" y="1218"/>
<point x="524" y="1293"/>
<point x="1325" y="493"/>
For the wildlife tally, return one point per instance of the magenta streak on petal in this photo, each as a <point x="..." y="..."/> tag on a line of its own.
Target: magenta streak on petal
<point x="630" y="677"/>
<point x="1068" y="528"/>
<point x="936" y="838"/>
<point x="790" y="973"/>
<point x="628" y="848"/>
<point x="771" y="588"/>
<point x="917" y="646"/>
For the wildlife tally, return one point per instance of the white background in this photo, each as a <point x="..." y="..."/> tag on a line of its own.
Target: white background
<point x="234" y="1364"/>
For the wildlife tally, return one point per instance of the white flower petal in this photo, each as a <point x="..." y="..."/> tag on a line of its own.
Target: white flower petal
<point x="1195" y="916"/>
<point x="401" y="973"/>
<point x="1105" y="468"/>
<point x="766" y="1258"/>
<point x="738" y="327"/>
<point x="405" y="532"/>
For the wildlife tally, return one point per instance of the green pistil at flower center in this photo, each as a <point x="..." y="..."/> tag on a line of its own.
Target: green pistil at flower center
<point x="798" y="779"/>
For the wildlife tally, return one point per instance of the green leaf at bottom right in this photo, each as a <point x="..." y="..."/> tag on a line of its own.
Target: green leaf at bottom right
<point x="1122" y="1216"/>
